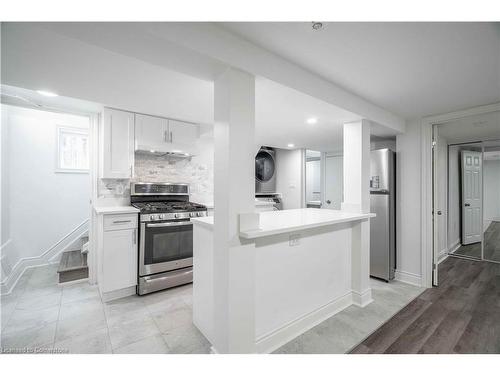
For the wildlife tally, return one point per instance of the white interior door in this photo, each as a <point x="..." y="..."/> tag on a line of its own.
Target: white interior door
<point x="472" y="191"/>
<point x="334" y="170"/>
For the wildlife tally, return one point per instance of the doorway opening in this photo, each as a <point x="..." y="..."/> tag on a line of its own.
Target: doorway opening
<point x="46" y="171"/>
<point x="466" y="189"/>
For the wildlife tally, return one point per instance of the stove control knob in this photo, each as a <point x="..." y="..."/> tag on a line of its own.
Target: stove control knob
<point x="161" y="216"/>
<point x="199" y="214"/>
<point x="192" y="214"/>
<point x="153" y="217"/>
<point x="176" y="215"/>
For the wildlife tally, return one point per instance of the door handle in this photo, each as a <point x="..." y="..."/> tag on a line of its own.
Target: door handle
<point x="328" y="201"/>
<point x="439" y="213"/>
<point x="467" y="205"/>
<point x="169" y="224"/>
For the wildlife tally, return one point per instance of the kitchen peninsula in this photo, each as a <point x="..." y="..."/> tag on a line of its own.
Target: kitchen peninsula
<point x="304" y="271"/>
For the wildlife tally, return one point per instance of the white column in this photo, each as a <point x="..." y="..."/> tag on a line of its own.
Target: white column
<point x="234" y="193"/>
<point x="357" y="199"/>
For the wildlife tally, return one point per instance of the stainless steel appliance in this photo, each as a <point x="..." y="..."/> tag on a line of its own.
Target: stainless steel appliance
<point x="165" y="234"/>
<point x="382" y="203"/>
<point x="265" y="171"/>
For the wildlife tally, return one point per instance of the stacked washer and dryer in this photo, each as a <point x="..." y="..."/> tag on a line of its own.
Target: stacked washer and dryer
<point x="265" y="177"/>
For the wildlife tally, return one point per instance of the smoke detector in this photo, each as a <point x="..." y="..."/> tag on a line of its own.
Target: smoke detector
<point x="316" y="26"/>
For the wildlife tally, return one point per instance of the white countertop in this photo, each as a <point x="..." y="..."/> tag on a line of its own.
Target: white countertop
<point x="207" y="221"/>
<point x="277" y="222"/>
<point x="116" y="210"/>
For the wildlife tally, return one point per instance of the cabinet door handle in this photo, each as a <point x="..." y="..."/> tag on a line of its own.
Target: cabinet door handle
<point x="164" y="136"/>
<point x="121" y="221"/>
<point x="135" y="236"/>
<point x="171" y="138"/>
<point x="130" y="171"/>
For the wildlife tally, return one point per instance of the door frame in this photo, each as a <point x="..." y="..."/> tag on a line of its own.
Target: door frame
<point x="427" y="236"/>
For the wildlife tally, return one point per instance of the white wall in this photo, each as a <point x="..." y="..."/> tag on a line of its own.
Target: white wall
<point x="39" y="206"/>
<point x="35" y="58"/>
<point x="290" y="177"/>
<point x="491" y="180"/>
<point x="378" y="143"/>
<point x="408" y="203"/>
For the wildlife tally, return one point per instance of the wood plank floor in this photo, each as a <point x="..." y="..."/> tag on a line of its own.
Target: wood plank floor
<point x="462" y="315"/>
<point x="491" y="245"/>
<point x="492" y="242"/>
<point x="472" y="250"/>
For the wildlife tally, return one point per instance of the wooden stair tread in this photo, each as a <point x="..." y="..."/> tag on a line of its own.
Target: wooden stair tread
<point x="72" y="260"/>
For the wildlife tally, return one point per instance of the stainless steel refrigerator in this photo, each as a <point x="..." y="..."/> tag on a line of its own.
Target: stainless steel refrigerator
<point x="382" y="203"/>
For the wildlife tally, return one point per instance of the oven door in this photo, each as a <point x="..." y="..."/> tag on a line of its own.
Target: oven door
<point x="165" y="246"/>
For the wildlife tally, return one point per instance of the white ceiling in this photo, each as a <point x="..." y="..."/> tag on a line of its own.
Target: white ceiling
<point x="470" y="129"/>
<point x="29" y="98"/>
<point x="281" y="112"/>
<point x="281" y="115"/>
<point x="411" y="69"/>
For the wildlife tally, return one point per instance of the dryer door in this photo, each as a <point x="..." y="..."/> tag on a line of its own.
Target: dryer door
<point x="264" y="166"/>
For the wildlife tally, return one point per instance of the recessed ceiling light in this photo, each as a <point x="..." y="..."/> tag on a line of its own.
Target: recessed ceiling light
<point x="47" y="93"/>
<point x="290" y="145"/>
<point x="152" y="151"/>
<point x="312" y="120"/>
<point x="317" y="25"/>
<point x="177" y="151"/>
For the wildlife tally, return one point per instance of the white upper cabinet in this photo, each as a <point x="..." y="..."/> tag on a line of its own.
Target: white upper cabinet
<point x="117" y="144"/>
<point x="182" y="133"/>
<point x="150" y="132"/>
<point x="160" y="134"/>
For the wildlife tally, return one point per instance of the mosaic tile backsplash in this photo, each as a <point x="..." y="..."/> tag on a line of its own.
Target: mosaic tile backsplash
<point x="197" y="171"/>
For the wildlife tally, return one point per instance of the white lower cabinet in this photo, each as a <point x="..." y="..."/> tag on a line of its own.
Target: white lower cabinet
<point x="119" y="259"/>
<point x="117" y="255"/>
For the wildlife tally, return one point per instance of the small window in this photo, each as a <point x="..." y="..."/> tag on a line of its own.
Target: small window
<point x="72" y="150"/>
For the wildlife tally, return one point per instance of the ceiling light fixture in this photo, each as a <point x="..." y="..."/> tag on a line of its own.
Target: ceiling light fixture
<point x="290" y="145"/>
<point x="47" y="93"/>
<point x="317" y="25"/>
<point x="152" y="151"/>
<point x="312" y="120"/>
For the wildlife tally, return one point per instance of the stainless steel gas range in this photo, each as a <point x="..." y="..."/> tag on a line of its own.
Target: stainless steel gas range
<point x="165" y="234"/>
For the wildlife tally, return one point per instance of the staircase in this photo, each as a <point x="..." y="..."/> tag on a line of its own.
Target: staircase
<point x="73" y="265"/>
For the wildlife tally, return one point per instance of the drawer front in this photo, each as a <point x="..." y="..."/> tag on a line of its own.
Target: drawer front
<point x="118" y="222"/>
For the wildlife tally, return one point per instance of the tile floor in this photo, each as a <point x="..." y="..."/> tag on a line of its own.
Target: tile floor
<point x="39" y="313"/>
<point x="340" y="333"/>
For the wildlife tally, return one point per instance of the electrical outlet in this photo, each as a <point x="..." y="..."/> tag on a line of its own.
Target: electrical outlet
<point x="294" y="240"/>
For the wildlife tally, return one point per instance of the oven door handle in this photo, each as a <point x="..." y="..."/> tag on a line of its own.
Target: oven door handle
<point x="170" y="224"/>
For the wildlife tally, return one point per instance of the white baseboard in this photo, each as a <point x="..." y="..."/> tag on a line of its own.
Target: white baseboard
<point x="362" y="299"/>
<point x="408" y="278"/>
<point x="454" y="247"/>
<point x="116" y="294"/>
<point x="49" y="256"/>
<point x="271" y="341"/>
